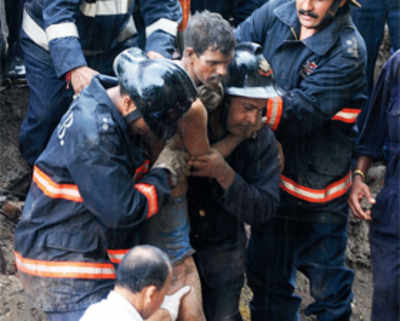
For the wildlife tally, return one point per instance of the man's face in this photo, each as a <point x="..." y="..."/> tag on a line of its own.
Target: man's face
<point x="312" y="12"/>
<point x="210" y="67"/>
<point x="244" y="113"/>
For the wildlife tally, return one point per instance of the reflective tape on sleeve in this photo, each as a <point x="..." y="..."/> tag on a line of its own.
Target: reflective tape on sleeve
<point x="149" y="191"/>
<point x="274" y="112"/>
<point x="116" y="255"/>
<point x="128" y="31"/>
<point x="105" y="8"/>
<point x="142" y="170"/>
<point x="347" y="115"/>
<point x="169" y="26"/>
<point x="61" y="30"/>
<point x="327" y="194"/>
<point x="54" y="190"/>
<point x="34" y="31"/>
<point x="64" y="269"/>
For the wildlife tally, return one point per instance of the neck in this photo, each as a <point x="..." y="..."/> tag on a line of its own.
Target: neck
<point x="118" y="100"/>
<point x="307" y="32"/>
<point x="185" y="63"/>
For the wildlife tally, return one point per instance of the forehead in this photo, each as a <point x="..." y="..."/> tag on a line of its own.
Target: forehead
<point x="216" y="55"/>
<point x="322" y="2"/>
<point x="257" y="103"/>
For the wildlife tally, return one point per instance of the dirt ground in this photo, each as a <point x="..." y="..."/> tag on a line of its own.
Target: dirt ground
<point x="15" y="306"/>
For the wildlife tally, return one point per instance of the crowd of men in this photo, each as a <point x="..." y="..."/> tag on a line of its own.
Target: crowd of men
<point x="137" y="141"/>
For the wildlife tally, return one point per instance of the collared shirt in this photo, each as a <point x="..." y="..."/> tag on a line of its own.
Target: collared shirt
<point x="114" y="307"/>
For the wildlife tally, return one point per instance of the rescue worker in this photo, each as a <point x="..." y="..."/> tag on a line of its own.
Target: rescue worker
<point x="234" y="11"/>
<point x="66" y="43"/>
<point x="89" y="182"/>
<point x="209" y="47"/>
<point x="242" y="188"/>
<point x="142" y="281"/>
<point x="379" y="141"/>
<point x="319" y="59"/>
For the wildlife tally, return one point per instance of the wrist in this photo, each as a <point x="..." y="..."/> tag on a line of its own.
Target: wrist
<point x="226" y="176"/>
<point x="359" y="174"/>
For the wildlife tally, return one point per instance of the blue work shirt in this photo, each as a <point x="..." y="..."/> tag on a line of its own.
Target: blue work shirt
<point x="380" y="138"/>
<point x="323" y="78"/>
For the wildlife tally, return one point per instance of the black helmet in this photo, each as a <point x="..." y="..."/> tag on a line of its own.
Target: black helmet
<point x="249" y="73"/>
<point x="161" y="90"/>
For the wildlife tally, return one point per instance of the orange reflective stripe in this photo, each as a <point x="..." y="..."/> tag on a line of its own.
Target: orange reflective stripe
<point x="142" y="170"/>
<point x="64" y="269"/>
<point x="54" y="190"/>
<point x="116" y="255"/>
<point x="274" y="112"/>
<point x="149" y="191"/>
<point x="329" y="193"/>
<point x="185" y="4"/>
<point x="347" y="115"/>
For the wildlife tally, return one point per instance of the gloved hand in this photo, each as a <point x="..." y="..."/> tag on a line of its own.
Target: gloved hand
<point x="176" y="161"/>
<point x="172" y="302"/>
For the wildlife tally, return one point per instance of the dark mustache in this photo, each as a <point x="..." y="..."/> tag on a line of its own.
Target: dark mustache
<point x="308" y="13"/>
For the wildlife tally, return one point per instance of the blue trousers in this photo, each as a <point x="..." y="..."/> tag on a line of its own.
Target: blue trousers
<point x="370" y="21"/>
<point x="283" y="246"/>
<point x="221" y="271"/>
<point x="65" y="316"/>
<point x="49" y="98"/>
<point x="385" y="255"/>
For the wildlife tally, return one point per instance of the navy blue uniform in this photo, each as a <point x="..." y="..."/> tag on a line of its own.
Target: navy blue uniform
<point x="234" y="11"/>
<point x="380" y="140"/>
<point x="60" y="35"/>
<point x="323" y="77"/>
<point x="217" y="221"/>
<point x="84" y="203"/>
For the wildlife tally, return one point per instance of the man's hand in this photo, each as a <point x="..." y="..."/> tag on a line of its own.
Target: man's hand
<point x="172" y="302"/>
<point x="213" y="165"/>
<point x="360" y="190"/>
<point x="81" y="77"/>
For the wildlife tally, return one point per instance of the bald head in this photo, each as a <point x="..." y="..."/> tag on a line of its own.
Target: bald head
<point x="143" y="266"/>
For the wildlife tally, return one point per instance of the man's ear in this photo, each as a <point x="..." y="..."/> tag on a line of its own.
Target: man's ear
<point x="189" y="52"/>
<point x="149" y="292"/>
<point x="342" y="3"/>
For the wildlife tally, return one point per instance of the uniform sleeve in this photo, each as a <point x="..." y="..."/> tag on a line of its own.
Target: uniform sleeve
<point x="334" y="87"/>
<point x="106" y="183"/>
<point x="161" y="18"/>
<point x="254" y="197"/>
<point x="62" y="34"/>
<point x="254" y="27"/>
<point x="374" y="130"/>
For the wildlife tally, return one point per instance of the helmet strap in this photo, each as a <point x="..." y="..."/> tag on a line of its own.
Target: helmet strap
<point x="133" y="116"/>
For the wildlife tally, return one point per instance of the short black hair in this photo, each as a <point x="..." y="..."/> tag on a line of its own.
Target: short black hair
<point x="209" y="30"/>
<point x="143" y="266"/>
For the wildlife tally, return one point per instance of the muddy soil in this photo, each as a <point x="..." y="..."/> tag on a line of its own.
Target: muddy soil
<point x="16" y="306"/>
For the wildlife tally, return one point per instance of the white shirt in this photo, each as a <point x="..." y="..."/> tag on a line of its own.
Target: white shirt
<point x="114" y="307"/>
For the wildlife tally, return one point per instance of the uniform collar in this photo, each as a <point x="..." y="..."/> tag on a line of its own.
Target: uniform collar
<point x="98" y="90"/>
<point x="324" y="39"/>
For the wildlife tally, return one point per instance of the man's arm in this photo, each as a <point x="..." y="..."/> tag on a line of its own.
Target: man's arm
<point x="161" y="18"/>
<point x="253" y="195"/>
<point x="105" y="181"/>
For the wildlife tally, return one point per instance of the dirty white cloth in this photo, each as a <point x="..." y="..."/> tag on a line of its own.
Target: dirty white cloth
<point x="114" y="307"/>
